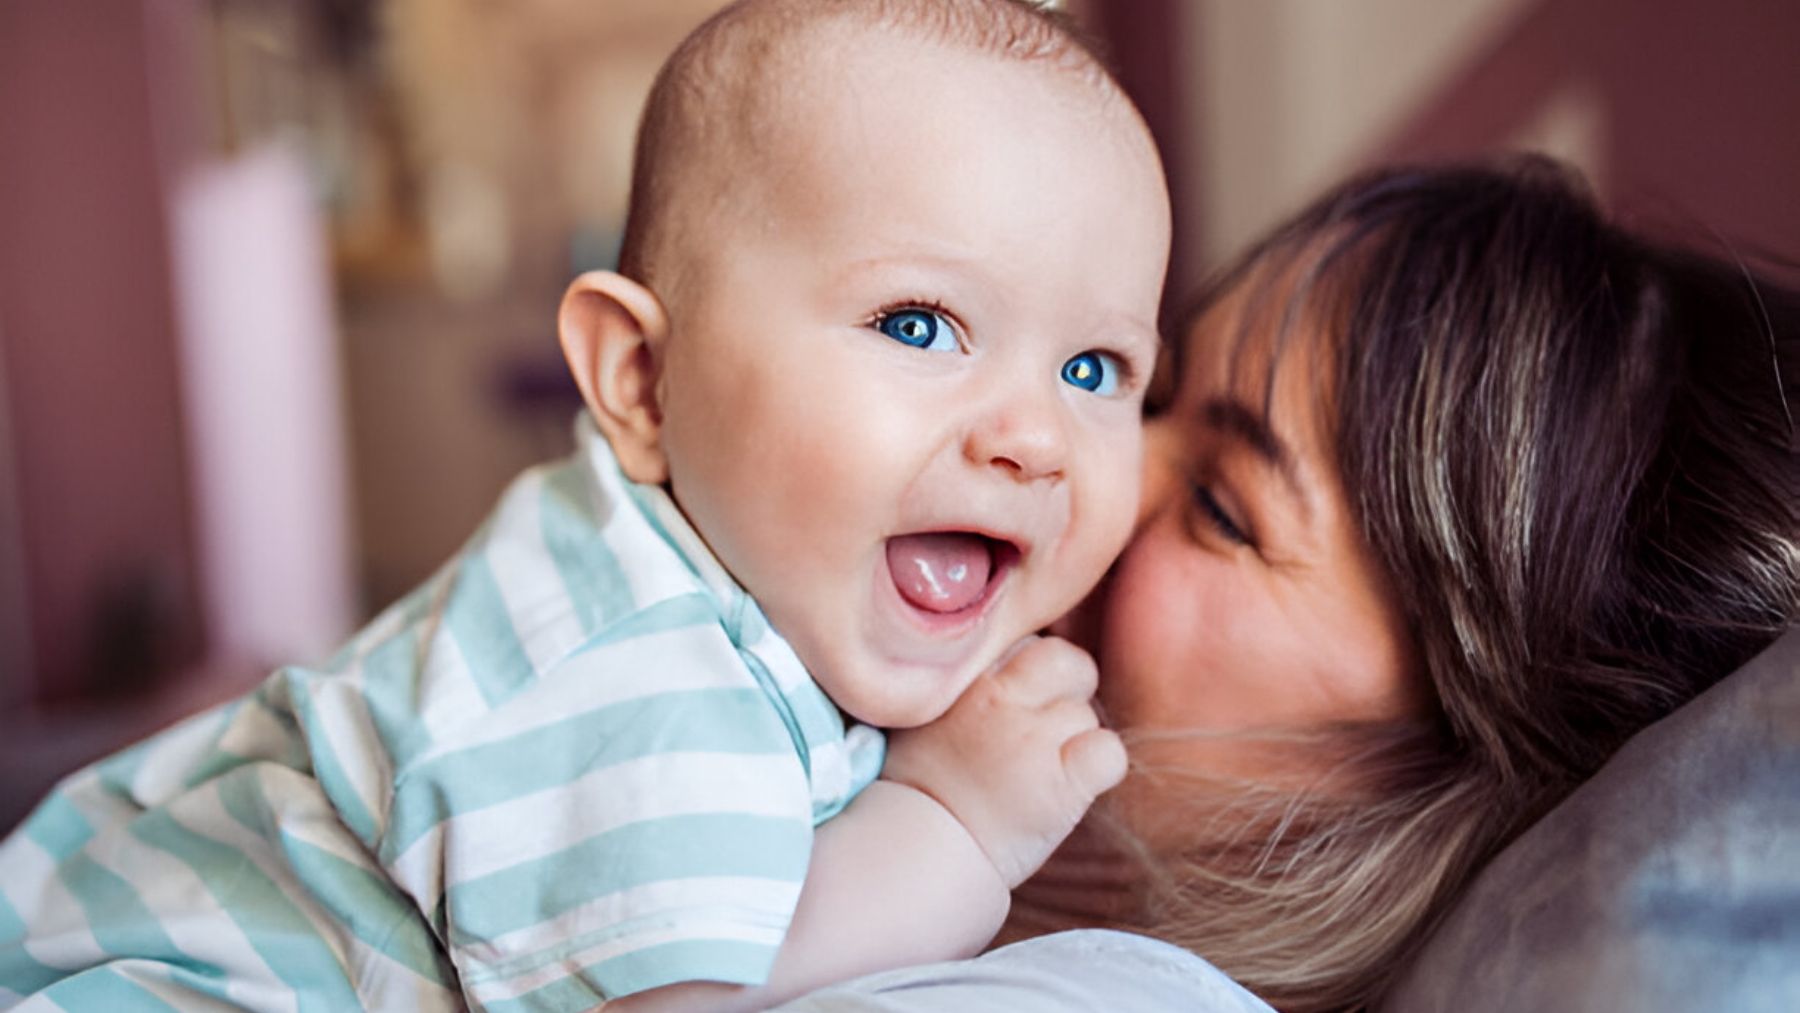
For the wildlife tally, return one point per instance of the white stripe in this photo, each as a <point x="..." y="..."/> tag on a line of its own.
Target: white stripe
<point x="450" y="699"/>
<point x="192" y="918"/>
<point x="59" y="934"/>
<point x="631" y="532"/>
<point x="545" y="822"/>
<point x="543" y="617"/>
<point x="726" y="908"/>
<point x="297" y="802"/>
<point x="654" y="571"/>
<point x="385" y="985"/>
<point x="324" y="831"/>
<point x="171" y="757"/>
<point x="98" y="804"/>
<point x="778" y="656"/>
<point x="155" y="978"/>
<point x="830" y="770"/>
<point x="381" y="982"/>
<point x="341" y="719"/>
<point x="255" y="733"/>
<point x="690" y="658"/>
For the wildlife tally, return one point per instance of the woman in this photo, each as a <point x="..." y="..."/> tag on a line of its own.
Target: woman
<point x="1461" y="486"/>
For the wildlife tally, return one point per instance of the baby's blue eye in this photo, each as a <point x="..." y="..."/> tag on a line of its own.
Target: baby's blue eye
<point x="919" y="328"/>
<point x="1093" y="371"/>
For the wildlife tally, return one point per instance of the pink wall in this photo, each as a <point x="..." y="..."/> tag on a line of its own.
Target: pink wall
<point x="1146" y="41"/>
<point x="1701" y="107"/>
<point x="93" y="388"/>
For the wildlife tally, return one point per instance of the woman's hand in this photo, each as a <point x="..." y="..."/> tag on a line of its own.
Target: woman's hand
<point x="1020" y="756"/>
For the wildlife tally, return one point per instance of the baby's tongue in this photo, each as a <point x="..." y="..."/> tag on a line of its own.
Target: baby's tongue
<point x="941" y="572"/>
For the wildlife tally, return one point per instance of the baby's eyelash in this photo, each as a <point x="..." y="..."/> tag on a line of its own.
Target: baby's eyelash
<point x="902" y="305"/>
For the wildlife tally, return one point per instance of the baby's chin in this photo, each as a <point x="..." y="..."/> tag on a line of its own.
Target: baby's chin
<point x="877" y="701"/>
<point x="906" y="693"/>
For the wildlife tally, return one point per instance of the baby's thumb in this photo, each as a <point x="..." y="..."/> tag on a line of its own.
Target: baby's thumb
<point x="1094" y="761"/>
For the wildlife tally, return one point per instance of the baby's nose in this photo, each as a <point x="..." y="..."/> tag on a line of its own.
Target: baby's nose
<point x="1028" y="440"/>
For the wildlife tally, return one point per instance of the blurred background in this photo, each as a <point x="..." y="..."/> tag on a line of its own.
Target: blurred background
<point x="278" y="277"/>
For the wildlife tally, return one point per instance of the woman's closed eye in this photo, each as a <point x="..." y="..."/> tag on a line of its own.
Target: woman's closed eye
<point x="1215" y="515"/>
<point x="921" y="327"/>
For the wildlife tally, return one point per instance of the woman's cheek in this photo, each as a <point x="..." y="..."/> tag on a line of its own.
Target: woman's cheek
<point x="1150" y="654"/>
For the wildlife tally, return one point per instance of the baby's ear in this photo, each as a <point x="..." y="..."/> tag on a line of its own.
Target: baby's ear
<point x="612" y="329"/>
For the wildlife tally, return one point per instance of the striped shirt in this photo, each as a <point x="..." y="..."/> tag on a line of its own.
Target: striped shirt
<point x="576" y="763"/>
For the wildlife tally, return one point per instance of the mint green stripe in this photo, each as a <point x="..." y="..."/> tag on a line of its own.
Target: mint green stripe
<point x="18" y="971"/>
<point x="818" y="717"/>
<point x="778" y="702"/>
<point x="590" y="571"/>
<point x="58" y="827"/>
<point x="325" y="766"/>
<point x="747" y="624"/>
<point x="477" y="618"/>
<point x="371" y="907"/>
<point x="726" y="960"/>
<point x="675" y="847"/>
<point x="714" y="720"/>
<point x="123" y="924"/>
<point x="393" y="690"/>
<point x="277" y="929"/>
<point x="681" y="612"/>
<point x="104" y="988"/>
<point x="374" y="910"/>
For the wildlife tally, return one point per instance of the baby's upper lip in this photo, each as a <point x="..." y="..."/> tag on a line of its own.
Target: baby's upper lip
<point x="1020" y="542"/>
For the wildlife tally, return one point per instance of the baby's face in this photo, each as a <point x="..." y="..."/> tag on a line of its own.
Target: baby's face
<point x="901" y="398"/>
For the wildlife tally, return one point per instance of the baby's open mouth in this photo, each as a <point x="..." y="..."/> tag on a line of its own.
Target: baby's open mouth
<point x="947" y="571"/>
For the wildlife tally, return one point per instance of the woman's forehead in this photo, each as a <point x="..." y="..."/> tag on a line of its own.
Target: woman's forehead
<point x="1266" y="331"/>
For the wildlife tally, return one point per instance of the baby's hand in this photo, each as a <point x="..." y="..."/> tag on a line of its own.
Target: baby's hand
<point x="1020" y="756"/>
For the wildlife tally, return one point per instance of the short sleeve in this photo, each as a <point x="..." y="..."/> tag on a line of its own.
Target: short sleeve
<point x="637" y="818"/>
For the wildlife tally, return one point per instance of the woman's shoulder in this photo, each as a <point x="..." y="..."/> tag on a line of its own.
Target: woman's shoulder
<point x="1064" y="972"/>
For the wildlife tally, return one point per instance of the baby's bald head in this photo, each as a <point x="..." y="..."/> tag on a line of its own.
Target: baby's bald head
<point x="726" y="100"/>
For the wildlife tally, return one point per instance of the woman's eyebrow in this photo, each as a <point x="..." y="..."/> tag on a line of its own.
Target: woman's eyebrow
<point x="1235" y="419"/>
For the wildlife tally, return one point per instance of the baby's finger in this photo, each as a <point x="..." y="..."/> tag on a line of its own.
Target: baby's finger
<point x="1095" y="761"/>
<point x="1049" y="668"/>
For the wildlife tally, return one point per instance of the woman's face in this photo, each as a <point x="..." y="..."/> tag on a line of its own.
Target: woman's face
<point x="1248" y="600"/>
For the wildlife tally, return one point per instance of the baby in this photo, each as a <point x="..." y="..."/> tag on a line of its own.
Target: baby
<point x="875" y="356"/>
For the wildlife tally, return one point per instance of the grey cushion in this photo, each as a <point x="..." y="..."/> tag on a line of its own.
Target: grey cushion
<point x="1670" y="881"/>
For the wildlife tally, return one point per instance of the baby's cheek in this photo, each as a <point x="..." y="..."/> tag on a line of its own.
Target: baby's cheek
<point x="1112" y="516"/>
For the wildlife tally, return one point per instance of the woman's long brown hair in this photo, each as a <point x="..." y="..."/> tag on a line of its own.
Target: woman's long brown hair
<point x="1575" y="452"/>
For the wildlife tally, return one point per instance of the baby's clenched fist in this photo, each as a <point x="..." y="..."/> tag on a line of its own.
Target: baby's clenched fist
<point x="1020" y="756"/>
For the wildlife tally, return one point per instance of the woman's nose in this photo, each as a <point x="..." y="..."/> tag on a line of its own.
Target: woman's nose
<point x="1026" y="439"/>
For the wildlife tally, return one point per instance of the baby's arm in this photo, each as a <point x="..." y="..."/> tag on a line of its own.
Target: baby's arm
<point x="919" y="867"/>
